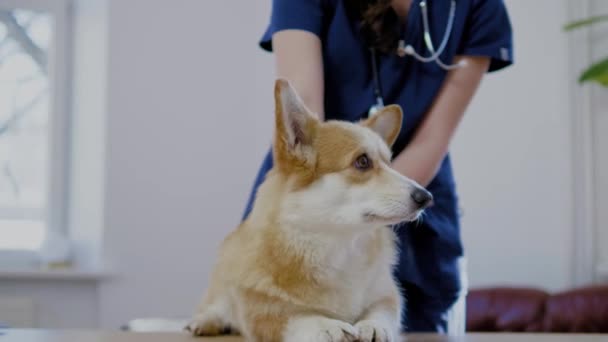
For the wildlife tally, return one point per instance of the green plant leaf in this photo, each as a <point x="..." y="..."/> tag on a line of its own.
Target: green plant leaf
<point x="598" y="72"/>
<point x="584" y="22"/>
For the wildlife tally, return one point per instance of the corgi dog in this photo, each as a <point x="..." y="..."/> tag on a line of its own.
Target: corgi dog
<point x="313" y="261"/>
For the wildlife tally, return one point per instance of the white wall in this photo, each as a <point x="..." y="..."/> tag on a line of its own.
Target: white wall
<point x="189" y="115"/>
<point x="599" y="116"/>
<point x="58" y="304"/>
<point x="513" y="159"/>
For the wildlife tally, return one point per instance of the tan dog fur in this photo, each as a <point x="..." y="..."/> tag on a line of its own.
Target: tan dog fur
<point x="313" y="260"/>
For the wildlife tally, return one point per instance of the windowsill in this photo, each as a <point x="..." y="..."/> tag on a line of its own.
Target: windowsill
<point x="72" y="274"/>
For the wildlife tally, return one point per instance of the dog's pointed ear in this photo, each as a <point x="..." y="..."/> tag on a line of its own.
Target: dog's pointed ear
<point x="295" y="124"/>
<point x="387" y="123"/>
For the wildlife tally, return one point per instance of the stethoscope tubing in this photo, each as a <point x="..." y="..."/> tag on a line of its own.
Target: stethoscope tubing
<point x="404" y="50"/>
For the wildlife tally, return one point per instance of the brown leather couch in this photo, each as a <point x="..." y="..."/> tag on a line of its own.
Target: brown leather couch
<point x="534" y="310"/>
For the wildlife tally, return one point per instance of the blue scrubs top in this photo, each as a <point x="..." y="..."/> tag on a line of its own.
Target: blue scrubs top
<point x="430" y="249"/>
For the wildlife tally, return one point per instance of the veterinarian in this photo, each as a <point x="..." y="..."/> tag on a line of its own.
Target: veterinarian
<point x="348" y="57"/>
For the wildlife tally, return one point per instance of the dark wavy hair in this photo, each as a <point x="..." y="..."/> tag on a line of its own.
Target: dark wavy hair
<point x="379" y="24"/>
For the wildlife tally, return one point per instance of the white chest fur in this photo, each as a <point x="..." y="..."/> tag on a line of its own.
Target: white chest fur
<point x="350" y="266"/>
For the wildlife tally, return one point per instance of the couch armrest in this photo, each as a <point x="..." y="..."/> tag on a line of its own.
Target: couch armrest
<point x="505" y="309"/>
<point x="579" y="310"/>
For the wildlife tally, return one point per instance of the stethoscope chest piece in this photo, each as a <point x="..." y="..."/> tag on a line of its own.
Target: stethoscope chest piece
<point x="375" y="108"/>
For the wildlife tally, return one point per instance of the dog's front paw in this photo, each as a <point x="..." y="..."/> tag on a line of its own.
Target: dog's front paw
<point x="203" y="326"/>
<point x="373" y="330"/>
<point x="320" y="329"/>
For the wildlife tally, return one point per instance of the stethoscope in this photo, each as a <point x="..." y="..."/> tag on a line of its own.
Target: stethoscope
<point x="408" y="50"/>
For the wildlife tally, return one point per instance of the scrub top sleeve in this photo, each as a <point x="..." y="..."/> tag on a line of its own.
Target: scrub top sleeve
<point x="488" y="33"/>
<point x="304" y="15"/>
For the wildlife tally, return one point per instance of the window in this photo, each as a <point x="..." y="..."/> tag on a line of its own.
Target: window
<point x="33" y="121"/>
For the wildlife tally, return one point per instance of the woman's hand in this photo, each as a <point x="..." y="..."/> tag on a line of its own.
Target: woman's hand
<point x="421" y="159"/>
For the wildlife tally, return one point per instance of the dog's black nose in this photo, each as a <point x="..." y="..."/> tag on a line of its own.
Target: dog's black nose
<point x="422" y="198"/>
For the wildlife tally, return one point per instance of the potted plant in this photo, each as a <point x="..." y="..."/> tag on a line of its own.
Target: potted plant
<point x="598" y="71"/>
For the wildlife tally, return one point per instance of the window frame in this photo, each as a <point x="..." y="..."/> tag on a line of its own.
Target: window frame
<point x="59" y="71"/>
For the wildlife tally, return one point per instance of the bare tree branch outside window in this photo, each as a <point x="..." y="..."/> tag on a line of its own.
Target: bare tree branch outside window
<point x="25" y="115"/>
<point x="20" y="35"/>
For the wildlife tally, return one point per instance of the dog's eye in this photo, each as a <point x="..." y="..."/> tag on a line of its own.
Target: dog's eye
<point x="363" y="162"/>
